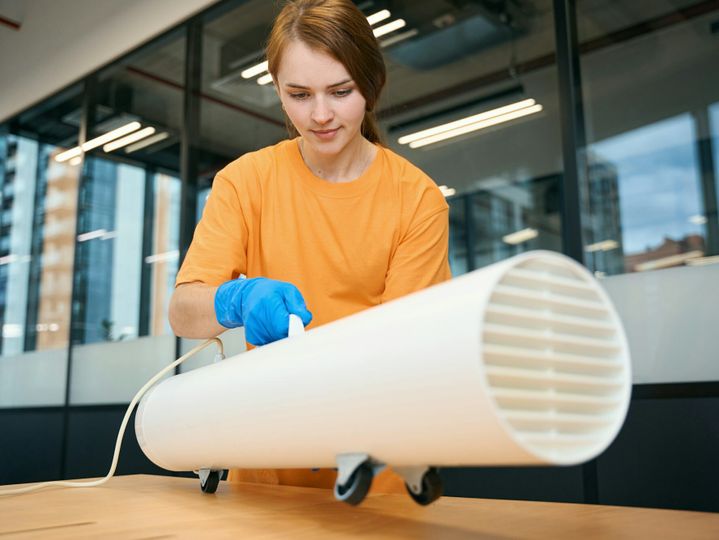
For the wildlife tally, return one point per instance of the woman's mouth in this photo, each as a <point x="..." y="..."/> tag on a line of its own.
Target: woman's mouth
<point x="325" y="134"/>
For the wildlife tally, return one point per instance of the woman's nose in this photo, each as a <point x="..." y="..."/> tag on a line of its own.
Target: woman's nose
<point x="321" y="112"/>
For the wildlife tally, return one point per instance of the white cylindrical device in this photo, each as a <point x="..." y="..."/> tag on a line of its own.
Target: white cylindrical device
<point x="522" y="362"/>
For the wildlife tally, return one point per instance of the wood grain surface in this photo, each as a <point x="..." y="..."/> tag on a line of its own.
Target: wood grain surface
<point x="161" y="507"/>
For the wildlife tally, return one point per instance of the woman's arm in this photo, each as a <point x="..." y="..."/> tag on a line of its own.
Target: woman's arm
<point x="192" y="311"/>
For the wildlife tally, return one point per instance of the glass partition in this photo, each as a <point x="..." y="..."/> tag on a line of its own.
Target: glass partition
<point x="488" y="65"/>
<point x="38" y="220"/>
<point x="128" y="237"/>
<point x="38" y="190"/>
<point x="649" y="84"/>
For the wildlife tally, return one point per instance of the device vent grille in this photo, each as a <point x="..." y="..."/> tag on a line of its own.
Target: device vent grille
<point x="554" y="359"/>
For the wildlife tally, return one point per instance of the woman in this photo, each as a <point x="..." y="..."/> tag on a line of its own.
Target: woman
<point x="324" y="224"/>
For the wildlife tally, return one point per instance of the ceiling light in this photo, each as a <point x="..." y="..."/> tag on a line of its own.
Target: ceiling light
<point x="98" y="233"/>
<point x="473" y="119"/>
<point x="379" y="16"/>
<point x="520" y="236"/>
<point x="254" y="70"/>
<point x="147" y="142"/>
<point x="447" y="191"/>
<point x="389" y="27"/>
<point x="98" y="141"/>
<point x="666" y="262"/>
<point x="119" y="143"/>
<point x="265" y="79"/>
<point x="476" y="126"/>
<point x="75" y="161"/>
<point x="12" y="258"/>
<point x="68" y="154"/>
<point x="163" y="257"/>
<point x="399" y="37"/>
<point x="604" y="245"/>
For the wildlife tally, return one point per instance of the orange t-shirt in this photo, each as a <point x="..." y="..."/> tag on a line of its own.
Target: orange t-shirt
<point x="346" y="246"/>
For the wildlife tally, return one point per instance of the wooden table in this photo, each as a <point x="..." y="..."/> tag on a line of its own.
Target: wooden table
<point x="161" y="507"/>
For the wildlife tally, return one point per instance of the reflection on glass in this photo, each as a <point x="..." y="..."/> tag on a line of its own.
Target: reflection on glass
<point x="506" y="219"/>
<point x="649" y="81"/>
<point x="109" y="252"/>
<point x="37" y="225"/>
<point x="459" y="246"/>
<point x="56" y="253"/>
<point x="165" y="250"/>
<point x="481" y="75"/>
<point x="128" y="239"/>
<point x="657" y="174"/>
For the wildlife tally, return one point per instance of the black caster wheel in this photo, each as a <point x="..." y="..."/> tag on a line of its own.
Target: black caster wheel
<point x="355" y="490"/>
<point x="213" y="480"/>
<point x="431" y="488"/>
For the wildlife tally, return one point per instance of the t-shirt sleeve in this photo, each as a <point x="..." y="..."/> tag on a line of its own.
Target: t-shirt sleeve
<point x="218" y="252"/>
<point x="421" y="257"/>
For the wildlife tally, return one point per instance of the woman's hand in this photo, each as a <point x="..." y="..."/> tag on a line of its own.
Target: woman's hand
<point x="262" y="306"/>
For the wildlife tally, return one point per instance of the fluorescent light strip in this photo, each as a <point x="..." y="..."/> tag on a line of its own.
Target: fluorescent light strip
<point x="68" y="154"/>
<point x="466" y="121"/>
<point x="254" y="70"/>
<point x="147" y="142"/>
<point x="75" y="161"/>
<point x="265" y="79"/>
<point x="520" y="236"/>
<point x="604" y="245"/>
<point x="119" y="143"/>
<point x="378" y="17"/>
<point x="372" y="19"/>
<point x="162" y="257"/>
<point x="447" y="191"/>
<point x="474" y="127"/>
<point x="666" y="262"/>
<point x="13" y="258"/>
<point x="399" y="37"/>
<point x="389" y="27"/>
<point x="98" y="233"/>
<point x="111" y="135"/>
<point x="97" y="141"/>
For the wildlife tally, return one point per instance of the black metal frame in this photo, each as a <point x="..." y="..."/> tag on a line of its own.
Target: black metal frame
<point x="571" y="114"/>
<point x="705" y="154"/>
<point x="148" y="231"/>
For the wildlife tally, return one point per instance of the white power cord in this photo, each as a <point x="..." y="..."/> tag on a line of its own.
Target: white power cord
<point x="220" y="355"/>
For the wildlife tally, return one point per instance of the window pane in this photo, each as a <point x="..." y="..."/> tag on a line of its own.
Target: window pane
<point x="128" y="239"/>
<point x="37" y="231"/>
<point x="649" y="78"/>
<point x="109" y="252"/>
<point x="37" y="248"/>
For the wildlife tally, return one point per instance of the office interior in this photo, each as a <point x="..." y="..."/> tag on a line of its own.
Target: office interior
<point x="608" y="152"/>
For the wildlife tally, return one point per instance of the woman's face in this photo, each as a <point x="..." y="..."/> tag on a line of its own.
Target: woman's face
<point x="320" y="98"/>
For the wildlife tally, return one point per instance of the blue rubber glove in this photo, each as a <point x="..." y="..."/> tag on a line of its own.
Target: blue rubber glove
<point x="262" y="306"/>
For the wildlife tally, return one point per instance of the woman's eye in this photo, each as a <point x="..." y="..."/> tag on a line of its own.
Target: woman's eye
<point x="299" y="95"/>
<point x="344" y="92"/>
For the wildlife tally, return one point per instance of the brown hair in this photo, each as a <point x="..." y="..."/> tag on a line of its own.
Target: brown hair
<point x="339" y="29"/>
